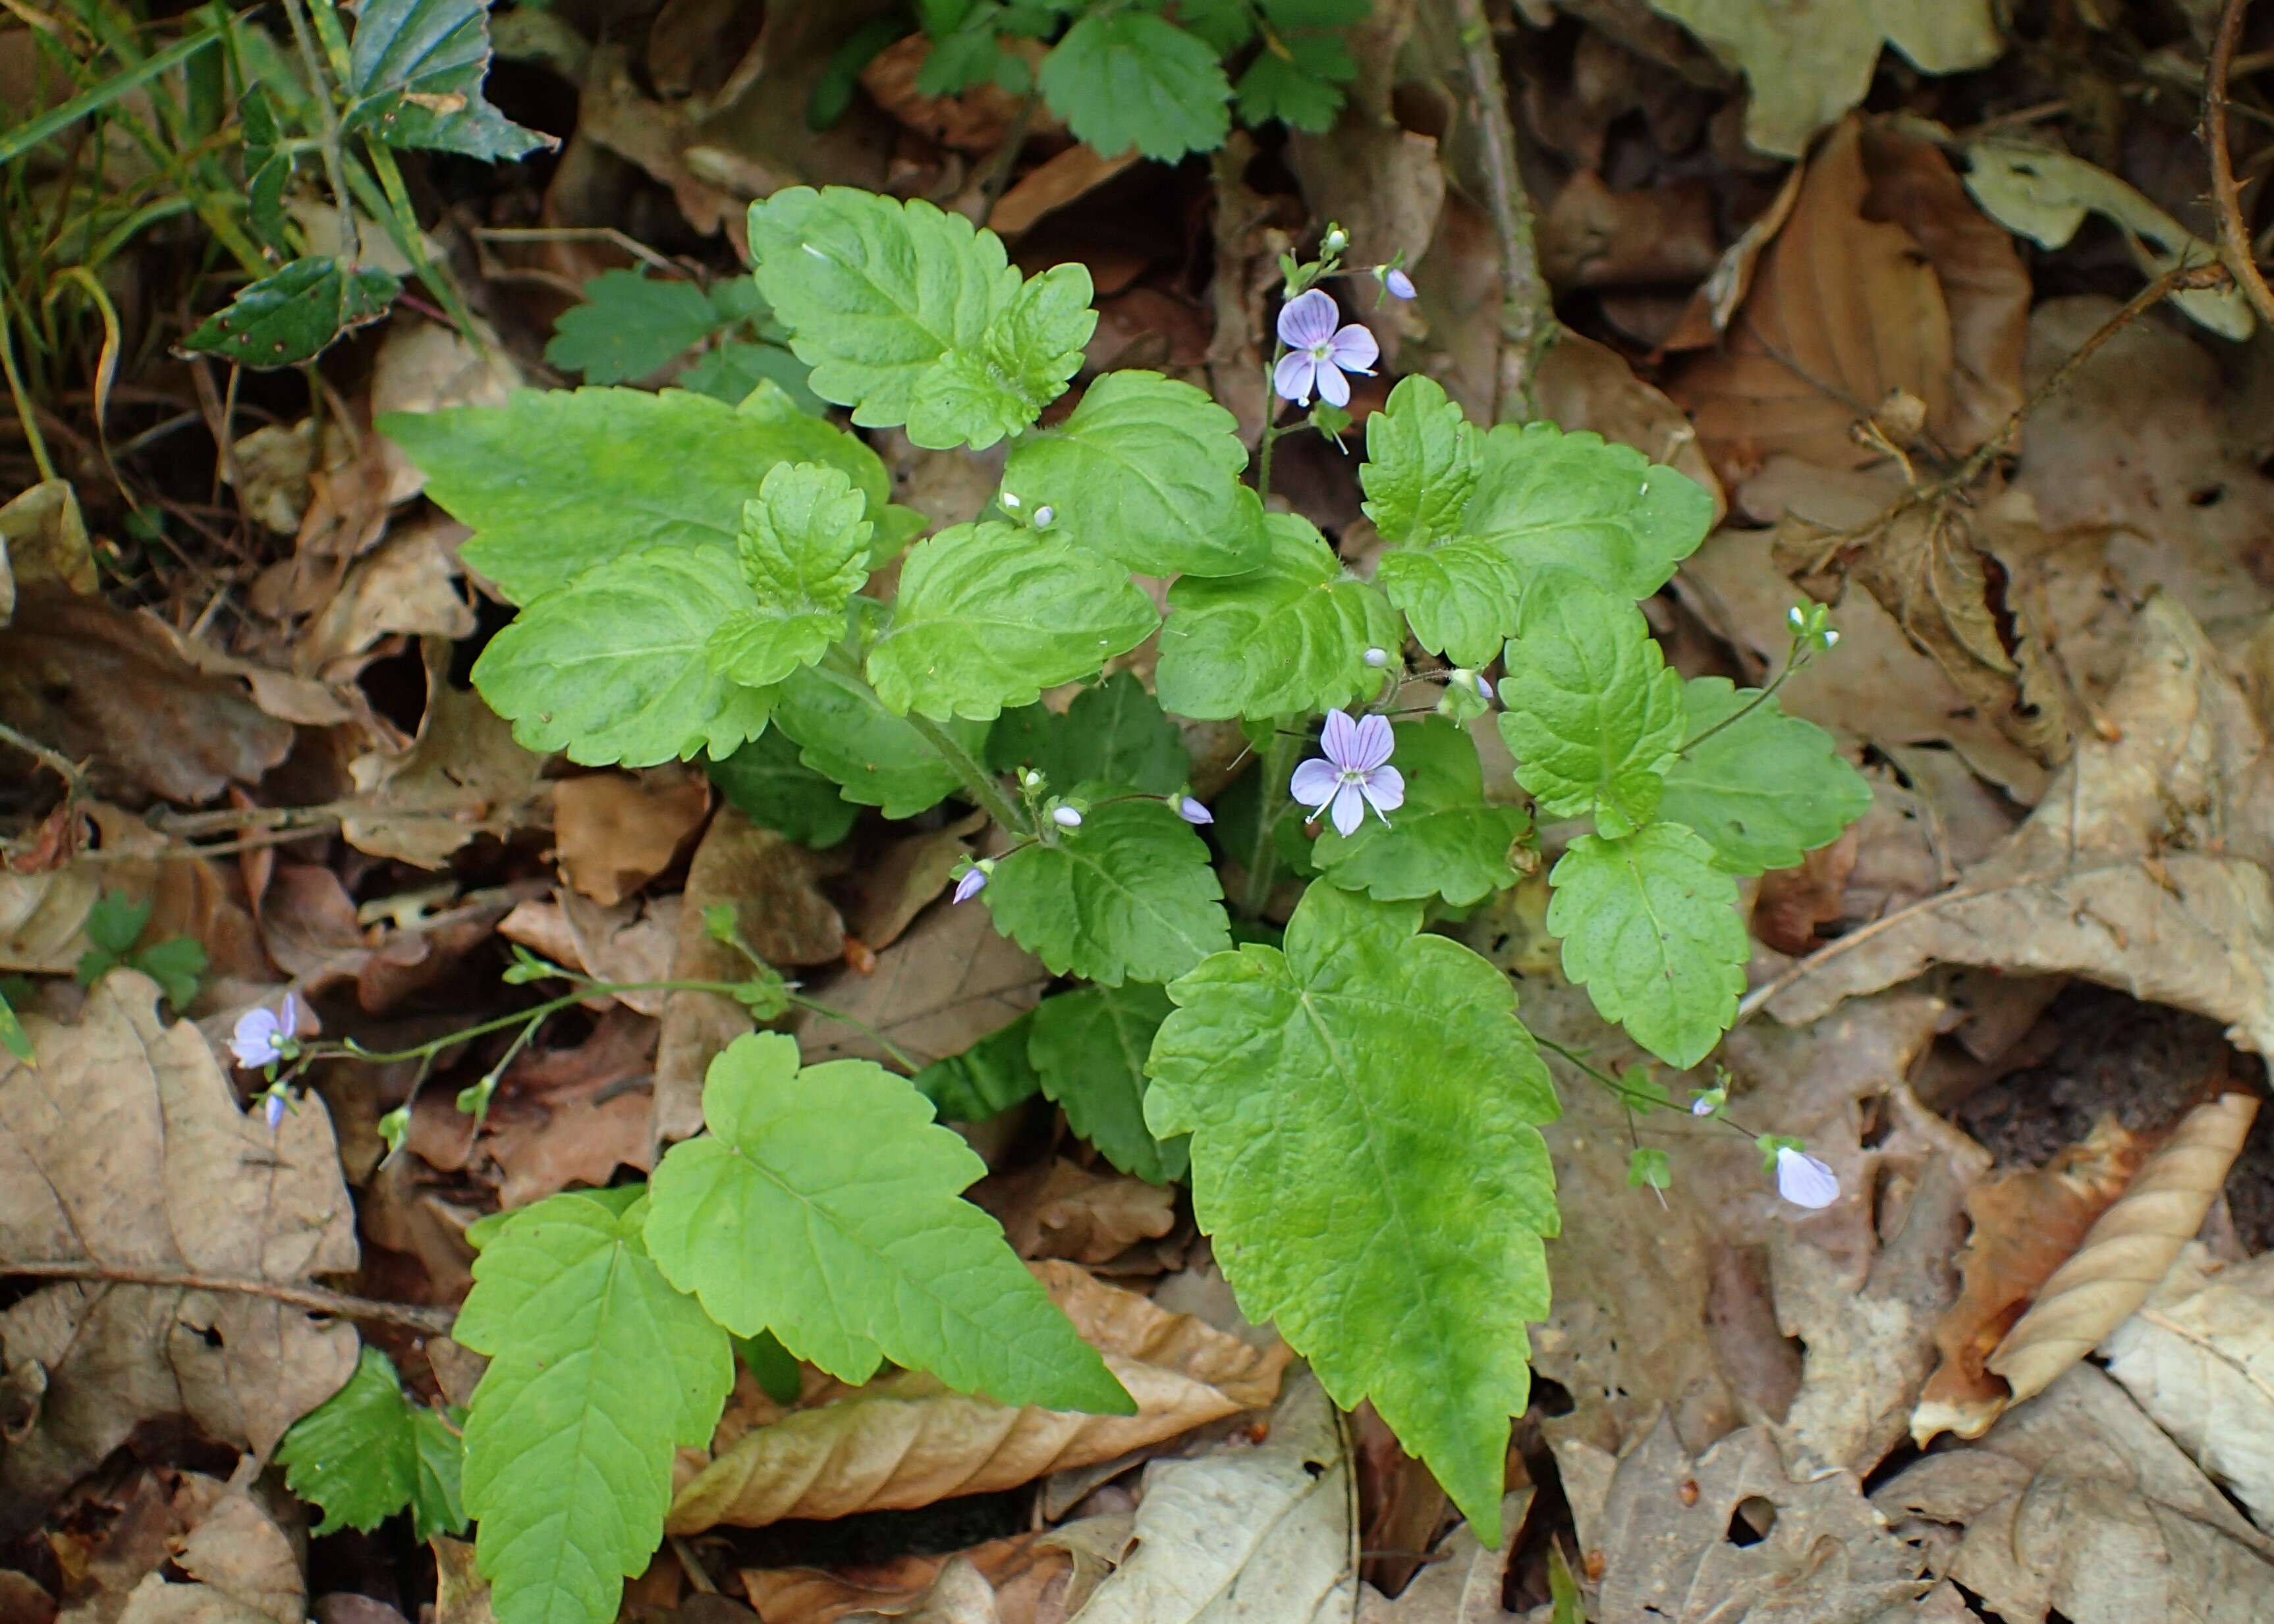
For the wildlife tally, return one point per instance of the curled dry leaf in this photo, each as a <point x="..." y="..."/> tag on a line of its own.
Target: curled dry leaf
<point x="1059" y="1210"/>
<point x="462" y="775"/>
<point x="2144" y="867"/>
<point x="1026" y="1573"/>
<point x="906" y="1441"/>
<point x="43" y="543"/>
<point x="242" y="1566"/>
<point x="615" y="832"/>
<point x="1461" y="1582"/>
<point x="2026" y="1223"/>
<point x="2128" y="1249"/>
<point x="407" y="586"/>
<point x="127" y="1148"/>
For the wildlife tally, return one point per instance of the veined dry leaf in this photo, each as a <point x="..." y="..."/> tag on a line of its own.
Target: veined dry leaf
<point x="2144" y="867"/>
<point x="1461" y="1582"/>
<point x="1059" y="1210"/>
<point x="2128" y="1249"/>
<point x="462" y="775"/>
<point x="241" y="1565"/>
<point x="1025" y="1571"/>
<point x="127" y="1142"/>
<point x="407" y="585"/>
<point x="952" y="979"/>
<point x="615" y="832"/>
<point x="2199" y="1358"/>
<point x="2026" y="1223"/>
<point x="958" y="1594"/>
<point x="975" y="122"/>
<point x="573" y="1115"/>
<point x="906" y="1441"/>
<point x="43" y="543"/>
<point x="888" y="894"/>
<point x="1403" y="1505"/>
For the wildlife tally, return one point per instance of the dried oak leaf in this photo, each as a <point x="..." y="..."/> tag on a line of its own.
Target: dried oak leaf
<point x="462" y="775"/>
<point x="906" y="1441"/>
<point x="2143" y="868"/>
<point x="1461" y="1582"/>
<point x="615" y="832"/>
<point x="126" y="1149"/>
<point x="952" y="979"/>
<point x="1023" y="1573"/>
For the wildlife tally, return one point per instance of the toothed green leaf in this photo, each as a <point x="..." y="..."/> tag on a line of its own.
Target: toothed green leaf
<point x="804" y="550"/>
<point x="367" y="1452"/>
<point x="628" y="326"/>
<point x="1766" y="790"/>
<point x="1445" y="841"/>
<point x="1129" y="896"/>
<point x="878" y="759"/>
<point x="1113" y="734"/>
<point x="1128" y="79"/>
<point x="1089" y="1048"/>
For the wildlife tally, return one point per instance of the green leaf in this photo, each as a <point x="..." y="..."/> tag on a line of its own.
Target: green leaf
<point x="1288" y="638"/>
<point x="990" y="614"/>
<point x="985" y="1081"/>
<point x="1114" y="733"/>
<point x="1578" y="502"/>
<point x="1446" y="841"/>
<point x="1128" y="79"/>
<point x="599" y="1372"/>
<point x="13" y="1037"/>
<point x="177" y="964"/>
<point x="415" y="72"/>
<point x="878" y="759"/>
<point x="804" y="548"/>
<point x="628" y="326"/>
<point x="823" y="1206"/>
<point x="1650" y="927"/>
<point x="1420" y="463"/>
<point x="1365" y="1110"/>
<point x="994" y="389"/>
<point x="115" y="921"/>
<point x="1129" y="896"/>
<point x="769" y="785"/>
<point x="910" y="315"/>
<point x="367" y="1452"/>
<point x="1594" y="714"/>
<point x="730" y="372"/>
<point x="1146" y="470"/>
<point x="611" y="667"/>
<point x="1088" y="1049"/>
<point x="288" y="317"/>
<point x="1765" y="790"/>
<point x="555" y="481"/>
<point x="1648" y="1167"/>
<point x="776" y="1368"/>
<point x="1302" y="90"/>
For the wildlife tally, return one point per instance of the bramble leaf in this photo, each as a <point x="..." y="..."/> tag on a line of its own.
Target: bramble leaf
<point x="599" y="1371"/>
<point x="1578" y="502"/>
<point x="1650" y="927"/>
<point x="1088" y="1049"/>
<point x="1146" y="470"/>
<point x="1765" y="790"/>
<point x="1303" y="89"/>
<point x="990" y="614"/>
<point x="1445" y="841"/>
<point x="823" y="1206"/>
<point x="1365" y="1110"/>
<point x="367" y="1452"/>
<point x="629" y="325"/>
<point x="985" y="1081"/>
<point x="804" y="550"/>
<point x="1287" y="637"/>
<point x="1113" y="734"/>
<point x="731" y="370"/>
<point x="769" y="785"/>
<point x="288" y="317"/>
<point x="1594" y="714"/>
<point x="612" y="666"/>
<point x="878" y="759"/>
<point x="555" y="481"/>
<point x="415" y="72"/>
<point x="1129" y="78"/>
<point x="1129" y="896"/>
<point x="1421" y="463"/>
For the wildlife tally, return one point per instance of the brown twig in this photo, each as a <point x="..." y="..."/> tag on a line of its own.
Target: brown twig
<point x="54" y="761"/>
<point x="315" y="1299"/>
<point x="2234" y="236"/>
<point x="1527" y="317"/>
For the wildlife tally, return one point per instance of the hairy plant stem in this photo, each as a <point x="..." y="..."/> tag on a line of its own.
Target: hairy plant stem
<point x="976" y="778"/>
<point x="1270" y="433"/>
<point x="1278" y="761"/>
<point x="2234" y="236"/>
<point x="328" y="113"/>
<point x="1528" y="326"/>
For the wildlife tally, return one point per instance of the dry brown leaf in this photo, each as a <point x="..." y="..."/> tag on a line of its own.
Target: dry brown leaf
<point x="2128" y="1249"/>
<point x="1026" y="1571"/>
<point x="407" y="586"/>
<point x="2144" y="866"/>
<point x="126" y="1147"/>
<point x="1591" y="236"/>
<point x="959" y="1595"/>
<point x="1792" y="903"/>
<point x="241" y="1565"/>
<point x="887" y="894"/>
<point x="43" y="543"/>
<point x="952" y="979"/>
<point x="615" y="832"/>
<point x="2026" y="1222"/>
<point x="1059" y="1210"/>
<point x="573" y="1115"/>
<point x="462" y="775"/>
<point x="1051" y="185"/>
<point x="1460" y="1581"/>
<point x="975" y="122"/>
<point x="1403" y="1503"/>
<point x="906" y="1441"/>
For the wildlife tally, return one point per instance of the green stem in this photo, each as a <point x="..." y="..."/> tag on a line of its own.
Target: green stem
<point x="1794" y="659"/>
<point x="874" y="1034"/>
<point x="976" y="778"/>
<point x="350" y="1050"/>
<point x="24" y="413"/>
<point x="1278" y="761"/>
<point x="327" y="114"/>
<point x="1270" y="410"/>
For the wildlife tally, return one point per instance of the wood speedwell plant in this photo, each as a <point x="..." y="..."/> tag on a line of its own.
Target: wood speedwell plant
<point x="1356" y="1102"/>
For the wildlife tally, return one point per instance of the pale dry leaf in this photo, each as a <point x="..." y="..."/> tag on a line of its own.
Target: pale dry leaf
<point x="886" y="895"/>
<point x="269" y="468"/>
<point x="960" y="1595"/>
<point x="43" y="543"/>
<point x="1058" y="1210"/>
<point x="2129" y="1248"/>
<point x="407" y="586"/>
<point x="2143" y="868"/>
<point x="127" y="1148"/>
<point x="1249" y="1533"/>
<point x="952" y="979"/>
<point x="1027" y="1572"/>
<point x="241" y="1564"/>
<point x="2076" y="1501"/>
<point x="615" y="832"/>
<point x="462" y="775"/>
<point x="1463" y="1581"/>
<point x="906" y="1441"/>
<point x="1051" y="185"/>
<point x="462" y="1595"/>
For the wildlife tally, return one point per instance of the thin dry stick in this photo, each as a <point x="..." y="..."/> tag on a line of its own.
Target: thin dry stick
<point x="2234" y="236"/>
<point x="1527" y="319"/>
<point x="54" y="761"/>
<point x="315" y="1299"/>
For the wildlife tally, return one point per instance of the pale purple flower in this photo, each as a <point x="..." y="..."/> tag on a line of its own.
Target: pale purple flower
<point x="272" y="1109"/>
<point x="1066" y="818"/>
<point x="1354" y="775"/>
<point x="256" y="1037"/>
<point x="1318" y="352"/>
<point x="973" y="882"/>
<point x="1191" y="811"/>
<point x="1400" y="285"/>
<point x="1804" y="1181"/>
<point x="1704" y="1105"/>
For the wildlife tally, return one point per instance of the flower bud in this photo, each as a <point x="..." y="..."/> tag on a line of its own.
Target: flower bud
<point x="1377" y="658"/>
<point x="1043" y="515"/>
<point x="1336" y="240"/>
<point x="1191" y="811"/>
<point x="1066" y="818"/>
<point x="1400" y="285"/>
<point x="272" y="1108"/>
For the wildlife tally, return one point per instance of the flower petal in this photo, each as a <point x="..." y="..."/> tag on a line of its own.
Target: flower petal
<point x="1338" y="740"/>
<point x="1400" y="285"/>
<point x="291" y="1017"/>
<point x="1308" y="319"/>
<point x="970" y="885"/>
<point x="1804" y="1181"/>
<point x="1372" y="744"/>
<point x="1385" y="789"/>
<point x="253" y="1039"/>
<point x="1293" y="377"/>
<point x="1315" y="783"/>
<point x="1350" y="808"/>
<point x="1193" y="812"/>
<point x="1334" y="388"/>
<point x="1353" y="350"/>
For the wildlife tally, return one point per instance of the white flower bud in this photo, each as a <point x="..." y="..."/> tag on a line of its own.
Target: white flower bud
<point x="1377" y="658"/>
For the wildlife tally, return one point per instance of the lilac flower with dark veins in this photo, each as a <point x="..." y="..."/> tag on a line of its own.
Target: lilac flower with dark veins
<point x="1804" y="1181"/>
<point x="257" y="1038"/>
<point x="1354" y="775"/>
<point x="1191" y="811"/>
<point x="1318" y="352"/>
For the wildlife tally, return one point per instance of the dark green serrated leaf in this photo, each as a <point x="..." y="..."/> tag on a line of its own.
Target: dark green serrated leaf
<point x="731" y="370"/>
<point x="628" y="326"/>
<point x="1577" y="502"/>
<point x="289" y="317"/>
<point x="177" y="964"/>
<point x="1445" y="841"/>
<point x="1114" y="733"/>
<point x="1302" y="90"/>
<point x="878" y="759"/>
<point x="1089" y="1052"/>
<point x="415" y="72"/>
<point x="367" y="1452"/>
<point x="1128" y="79"/>
<point x="1129" y="896"/>
<point x="114" y="923"/>
<point x="1031" y="347"/>
<point x="768" y="784"/>
<point x="985" y="1081"/>
<point x="1766" y="789"/>
<point x="805" y="551"/>
<point x="1421" y="463"/>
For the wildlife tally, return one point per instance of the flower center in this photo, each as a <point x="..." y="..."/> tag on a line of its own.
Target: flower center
<point x="1323" y="350"/>
<point x="1352" y="775"/>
